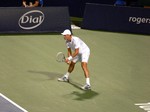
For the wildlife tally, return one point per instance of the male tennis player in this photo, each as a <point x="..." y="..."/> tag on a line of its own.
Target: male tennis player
<point x="81" y="52"/>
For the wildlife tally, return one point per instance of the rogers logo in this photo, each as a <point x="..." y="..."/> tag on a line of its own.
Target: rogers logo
<point x="31" y="19"/>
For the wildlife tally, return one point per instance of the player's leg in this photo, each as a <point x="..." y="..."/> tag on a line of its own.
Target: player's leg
<point x="86" y="73"/>
<point x="84" y="65"/>
<point x="85" y="69"/>
<point x="70" y="69"/>
<point x="65" y="78"/>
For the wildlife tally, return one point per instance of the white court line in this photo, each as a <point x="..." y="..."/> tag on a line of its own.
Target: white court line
<point x="13" y="103"/>
<point x="142" y="103"/>
<point x="144" y="106"/>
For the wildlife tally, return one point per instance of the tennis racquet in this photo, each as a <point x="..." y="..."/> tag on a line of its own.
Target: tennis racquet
<point x="60" y="57"/>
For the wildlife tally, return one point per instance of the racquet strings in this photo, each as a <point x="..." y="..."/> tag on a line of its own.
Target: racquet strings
<point x="60" y="57"/>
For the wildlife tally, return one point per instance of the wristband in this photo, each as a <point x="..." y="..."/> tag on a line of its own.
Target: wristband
<point x="70" y="58"/>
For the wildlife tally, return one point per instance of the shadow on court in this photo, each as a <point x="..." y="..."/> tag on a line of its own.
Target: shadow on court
<point x="50" y="75"/>
<point x="85" y="95"/>
<point x="82" y="95"/>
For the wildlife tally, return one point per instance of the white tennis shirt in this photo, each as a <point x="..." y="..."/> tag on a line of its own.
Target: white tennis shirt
<point x="75" y="43"/>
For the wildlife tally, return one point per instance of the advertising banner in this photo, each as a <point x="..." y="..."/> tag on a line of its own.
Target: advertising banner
<point x="116" y="18"/>
<point x="34" y="20"/>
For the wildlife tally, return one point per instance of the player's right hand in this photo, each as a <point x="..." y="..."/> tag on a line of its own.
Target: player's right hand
<point x="67" y="61"/>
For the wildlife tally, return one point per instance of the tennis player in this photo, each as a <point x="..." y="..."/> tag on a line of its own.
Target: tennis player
<point x="81" y="52"/>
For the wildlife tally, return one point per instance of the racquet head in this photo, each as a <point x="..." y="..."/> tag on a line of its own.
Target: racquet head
<point x="60" y="57"/>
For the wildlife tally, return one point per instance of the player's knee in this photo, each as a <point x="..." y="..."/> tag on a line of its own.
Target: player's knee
<point x="72" y="63"/>
<point x="84" y="65"/>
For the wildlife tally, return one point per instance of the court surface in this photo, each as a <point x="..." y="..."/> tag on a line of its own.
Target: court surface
<point x="119" y="68"/>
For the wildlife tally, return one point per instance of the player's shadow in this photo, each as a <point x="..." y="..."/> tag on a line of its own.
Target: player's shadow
<point x="75" y="84"/>
<point x="84" y="94"/>
<point x="50" y="75"/>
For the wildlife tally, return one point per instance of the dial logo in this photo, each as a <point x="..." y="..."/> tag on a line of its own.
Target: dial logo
<point x="31" y="19"/>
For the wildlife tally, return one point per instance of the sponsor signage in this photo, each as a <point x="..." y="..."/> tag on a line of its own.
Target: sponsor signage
<point x="117" y="19"/>
<point x="32" y="20"/>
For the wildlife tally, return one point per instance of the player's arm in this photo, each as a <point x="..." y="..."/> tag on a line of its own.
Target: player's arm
<point x="70" y="57"/>
<point x="69" y="52"/>
<point x="77" y="46"/>
<point x="75" y="53"/>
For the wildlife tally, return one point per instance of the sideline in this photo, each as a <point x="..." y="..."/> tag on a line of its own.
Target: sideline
<point x="10" y="101"/>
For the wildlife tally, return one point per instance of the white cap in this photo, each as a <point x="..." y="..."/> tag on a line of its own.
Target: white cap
<point x="66" y="32"/>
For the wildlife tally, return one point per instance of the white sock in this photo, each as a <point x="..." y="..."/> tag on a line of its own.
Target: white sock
<point x="88" y="81"/>
<point x="67" y="74"/>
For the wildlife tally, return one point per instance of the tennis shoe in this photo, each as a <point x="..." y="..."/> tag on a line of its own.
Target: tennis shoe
<point x="63" y="79"/>
<point x="86" y="87"/>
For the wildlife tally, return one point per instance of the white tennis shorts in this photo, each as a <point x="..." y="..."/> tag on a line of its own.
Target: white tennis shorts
<point x="84" y="57"/>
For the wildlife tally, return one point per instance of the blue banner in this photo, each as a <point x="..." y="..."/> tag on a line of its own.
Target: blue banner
<point x="116" y="18"/>
<point x="34" y="20"/>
